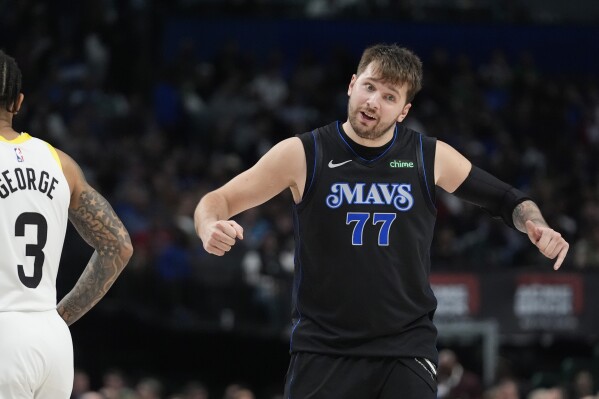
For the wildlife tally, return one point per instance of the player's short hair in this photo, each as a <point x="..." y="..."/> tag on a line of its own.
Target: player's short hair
<point x="10" y="82"/>
<point x="394" y="64"/>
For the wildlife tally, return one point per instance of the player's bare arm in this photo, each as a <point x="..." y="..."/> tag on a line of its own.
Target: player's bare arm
<point x="451" y="167"/>
<point x="284" y="166"/>
<point x="101" y="228"/>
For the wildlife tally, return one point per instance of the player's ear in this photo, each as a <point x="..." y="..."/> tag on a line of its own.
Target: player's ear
<point x="404" y="112"/>
<point x="351" y="84"/>
<point x="17" y="106"/>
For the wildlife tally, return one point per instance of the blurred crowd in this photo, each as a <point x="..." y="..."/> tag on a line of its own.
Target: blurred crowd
<point x="116" y="384"/>
<point x="488" y="11"/>
<point x="455" y="381"/>
<point x="155" y="134"/>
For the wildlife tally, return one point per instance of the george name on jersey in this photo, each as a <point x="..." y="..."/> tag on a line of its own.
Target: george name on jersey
<point x="26" y="179"/>
<point x="398" y="195"/>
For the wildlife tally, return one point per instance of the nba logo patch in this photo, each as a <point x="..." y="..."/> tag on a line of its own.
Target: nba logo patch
<point x="19" y="154"/>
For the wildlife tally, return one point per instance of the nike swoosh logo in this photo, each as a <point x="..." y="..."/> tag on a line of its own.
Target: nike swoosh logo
<point x="335" y="165"/>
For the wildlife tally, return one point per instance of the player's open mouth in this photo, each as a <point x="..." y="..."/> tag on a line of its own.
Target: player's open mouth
<point x="367" y="116"/>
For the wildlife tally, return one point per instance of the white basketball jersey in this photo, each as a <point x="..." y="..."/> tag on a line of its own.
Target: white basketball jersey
<point x="34" y="202"/>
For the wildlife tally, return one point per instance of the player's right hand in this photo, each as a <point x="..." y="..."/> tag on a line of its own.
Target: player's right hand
<point x="220" y="236"/>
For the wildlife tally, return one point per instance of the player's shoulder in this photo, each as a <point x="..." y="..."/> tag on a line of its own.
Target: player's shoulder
<point x="443" y="147"/>
<point x="26" y="137"/>
<point x="323" y="130"/>
<point x="415" y="132"/>
<point x="288" y="147"/>
<point x="70" y="167"/>
<point x="41" y="145"/>
<point x="326" y="133"/>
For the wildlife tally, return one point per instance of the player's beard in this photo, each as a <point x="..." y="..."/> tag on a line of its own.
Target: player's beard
<point x="372" y="133"/>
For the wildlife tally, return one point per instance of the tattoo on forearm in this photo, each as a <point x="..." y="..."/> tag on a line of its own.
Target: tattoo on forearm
<point x="100" y="227"/>
<point x="527" y="210"/>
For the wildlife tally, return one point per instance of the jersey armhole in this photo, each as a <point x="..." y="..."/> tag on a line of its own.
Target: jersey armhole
<point x="313" y="152"/>
<point x="55" y="155"/>
<point x="425" y="155"/>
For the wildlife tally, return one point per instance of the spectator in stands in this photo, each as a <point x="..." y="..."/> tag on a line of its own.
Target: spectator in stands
<point x="454" y="382"/>
<point x="92" y="395"/>
<point x="546" y="393"/>
<point x="582" y="385"/>
<point x="80" y="384"/>
<point x="238" y="391"/>
<point x="115" y="385"/>
<point x="148" y="388"/>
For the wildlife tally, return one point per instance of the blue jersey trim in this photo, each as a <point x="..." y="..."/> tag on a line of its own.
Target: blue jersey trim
<point x="313" y="169"/>
<point x="424" y="170"/>
<point x="298" y="263"/>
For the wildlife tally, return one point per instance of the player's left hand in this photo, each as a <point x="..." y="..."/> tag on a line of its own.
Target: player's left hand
<point x="550" y="242"/>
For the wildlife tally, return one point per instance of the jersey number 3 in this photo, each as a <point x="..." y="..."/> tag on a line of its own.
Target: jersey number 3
<point x="35" y="250"/>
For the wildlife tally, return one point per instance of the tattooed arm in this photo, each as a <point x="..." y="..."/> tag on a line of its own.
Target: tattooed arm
<point x="101" y="228"/>
<point x="528" y="219"/>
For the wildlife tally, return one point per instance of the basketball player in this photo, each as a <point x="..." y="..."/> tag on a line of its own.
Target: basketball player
<point x="364" y="214"/>
<point x="41" y="188"/>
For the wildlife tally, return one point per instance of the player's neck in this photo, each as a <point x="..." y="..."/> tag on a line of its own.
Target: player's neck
<point x="6" y="130"/>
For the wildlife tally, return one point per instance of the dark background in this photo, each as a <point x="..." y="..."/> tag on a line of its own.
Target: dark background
<point x="160" y="102"/>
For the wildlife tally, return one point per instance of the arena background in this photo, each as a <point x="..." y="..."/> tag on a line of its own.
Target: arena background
<point x="162" y="101"/>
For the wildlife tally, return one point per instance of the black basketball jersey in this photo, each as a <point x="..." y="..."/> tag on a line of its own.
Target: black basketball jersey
<point x="363" y="233"/>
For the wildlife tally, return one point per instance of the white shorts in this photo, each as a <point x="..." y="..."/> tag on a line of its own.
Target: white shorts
<point x="36" y="356"/>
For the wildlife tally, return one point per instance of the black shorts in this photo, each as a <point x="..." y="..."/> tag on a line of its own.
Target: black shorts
<point x="314" y="376"/>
